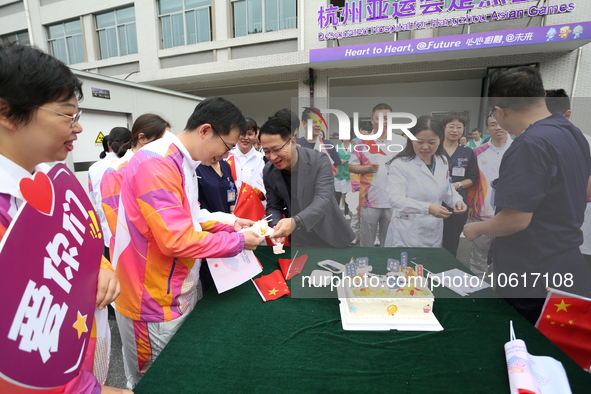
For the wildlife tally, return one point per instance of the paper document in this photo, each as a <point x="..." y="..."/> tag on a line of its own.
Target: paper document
<point x="229" y="272"/>
<point x="459" y="281"/>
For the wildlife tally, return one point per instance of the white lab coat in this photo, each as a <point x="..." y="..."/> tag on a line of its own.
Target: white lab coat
<point x="411" y="190"/>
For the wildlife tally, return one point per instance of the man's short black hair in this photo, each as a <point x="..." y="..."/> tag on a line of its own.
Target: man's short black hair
<point x="30" y="78"/>
<point x="283" y="123"/>
<point x="380" y="107"/>
<point x="220" y="113"/>
<point x="517" y="88"/>
<point x="557" y="101"/>
<point x="477" y="129"/>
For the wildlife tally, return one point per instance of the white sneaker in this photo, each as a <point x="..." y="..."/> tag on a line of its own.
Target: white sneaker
<point x="354" y="242"/>
<point x="376" y="242"/>
<point x="347" y="217"/>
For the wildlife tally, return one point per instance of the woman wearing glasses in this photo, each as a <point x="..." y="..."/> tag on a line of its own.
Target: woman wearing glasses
<point x="463" y="174"/>
<point x="39" y="123"/>
<point x="418" y="184"/>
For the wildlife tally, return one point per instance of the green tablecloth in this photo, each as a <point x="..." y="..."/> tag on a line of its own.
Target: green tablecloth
<point x="235" y="342"/>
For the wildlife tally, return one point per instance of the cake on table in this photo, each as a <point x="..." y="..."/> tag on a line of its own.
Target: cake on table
<point x="401" y="294"/>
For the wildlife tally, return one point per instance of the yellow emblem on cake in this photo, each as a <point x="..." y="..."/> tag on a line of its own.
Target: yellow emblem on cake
<point x="392" y="309"/>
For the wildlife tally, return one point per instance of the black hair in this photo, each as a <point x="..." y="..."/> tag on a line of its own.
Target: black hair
<point x="489" y="117"/>
<point x="119" y="136"/>
<point x="251" y="124"/>
<point x="517" y="88"/>
<point x="105" y="147"/>
<point x="455" y="116"/>
<point x="423" y="123"/>
<point x="30" y="78"/>
<point x="557" y="101"/>
<point x="379" y="107"/>
<point x="151" y="126"/>
<point x="281" y="123"/>
<point x="366" y="127"/>
<point x="477" y="129"/>
<point x="221" y="114"/>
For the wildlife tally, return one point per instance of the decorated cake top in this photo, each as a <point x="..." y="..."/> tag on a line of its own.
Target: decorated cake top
<point x="400" y="281"/>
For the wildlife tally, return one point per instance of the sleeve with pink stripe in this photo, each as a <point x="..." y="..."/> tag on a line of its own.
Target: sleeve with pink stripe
<point x="158" y="190"/>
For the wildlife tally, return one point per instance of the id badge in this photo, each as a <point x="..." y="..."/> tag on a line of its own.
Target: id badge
<point x="458" y="171"/>
<point x="231" y="195"/>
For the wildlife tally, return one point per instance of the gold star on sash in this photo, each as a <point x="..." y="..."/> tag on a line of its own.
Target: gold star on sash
<point x="80" y="324"/>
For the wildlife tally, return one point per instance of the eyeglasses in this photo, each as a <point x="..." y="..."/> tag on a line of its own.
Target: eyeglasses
<point x="73" y="118"/>
<point x="452" y="127"/>
<point x="218" y="134"/>
<point x="276" y="151"/>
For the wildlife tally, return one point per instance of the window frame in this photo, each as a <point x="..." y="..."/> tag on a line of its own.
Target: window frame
<point x="116" y="26"/>
<point x="6" y="38"/>
<point x="263" y="17"/>
<point x="65" y="38"/>
<point x="184" y="13"/>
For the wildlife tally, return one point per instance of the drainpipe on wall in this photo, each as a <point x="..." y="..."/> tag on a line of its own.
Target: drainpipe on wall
<point x="302" y="24"/>
<point x="311" y="79"/>
<point x="29" y="24"/>
<point x="577" y="68"/>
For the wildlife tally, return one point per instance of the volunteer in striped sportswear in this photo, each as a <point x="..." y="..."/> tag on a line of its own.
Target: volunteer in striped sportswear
<point x="162" y="234"/>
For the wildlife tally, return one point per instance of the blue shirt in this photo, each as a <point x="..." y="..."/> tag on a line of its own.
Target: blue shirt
<point x="213" y="189"/>
<point x="545" y="171"/>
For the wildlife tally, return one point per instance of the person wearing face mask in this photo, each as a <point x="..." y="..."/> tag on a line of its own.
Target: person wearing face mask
<point x="418" y="184"/>
<point x="162" y="234"/>
<point x="463" y="174"/>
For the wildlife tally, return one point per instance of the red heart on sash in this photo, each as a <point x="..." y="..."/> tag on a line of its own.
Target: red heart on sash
<point x="38" y="191"/>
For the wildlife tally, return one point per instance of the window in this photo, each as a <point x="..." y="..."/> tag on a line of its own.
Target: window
<point x="258" y="16"/>
<point x="65" y="41"/>
<point x="21" y="37"/>
<point x="184" y="22"/>
<point x="116" y="32"/>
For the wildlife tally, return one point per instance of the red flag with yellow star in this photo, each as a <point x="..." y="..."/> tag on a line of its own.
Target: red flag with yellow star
<point x="249" y="205"/>
<point x="566" y="321"/>
<point x="231" y="160"/>
<point x="271" y="286"/>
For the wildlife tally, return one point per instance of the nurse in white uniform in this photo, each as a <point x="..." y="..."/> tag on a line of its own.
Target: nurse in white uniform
<point x="418" y="183"/>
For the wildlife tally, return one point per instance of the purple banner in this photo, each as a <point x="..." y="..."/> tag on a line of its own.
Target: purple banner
<point x="493" y="39"/>
<point x="49" y="258"/>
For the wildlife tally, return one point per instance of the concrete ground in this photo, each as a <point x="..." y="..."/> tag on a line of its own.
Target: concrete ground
<point x="116" y="376"/>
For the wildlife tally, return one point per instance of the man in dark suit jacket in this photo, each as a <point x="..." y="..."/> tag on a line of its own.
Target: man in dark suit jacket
<point x="312" y="216"/>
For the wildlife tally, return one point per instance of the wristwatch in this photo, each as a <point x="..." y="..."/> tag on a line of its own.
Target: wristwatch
<point x="460" y="187"/>
<point x="298" y="222"/>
